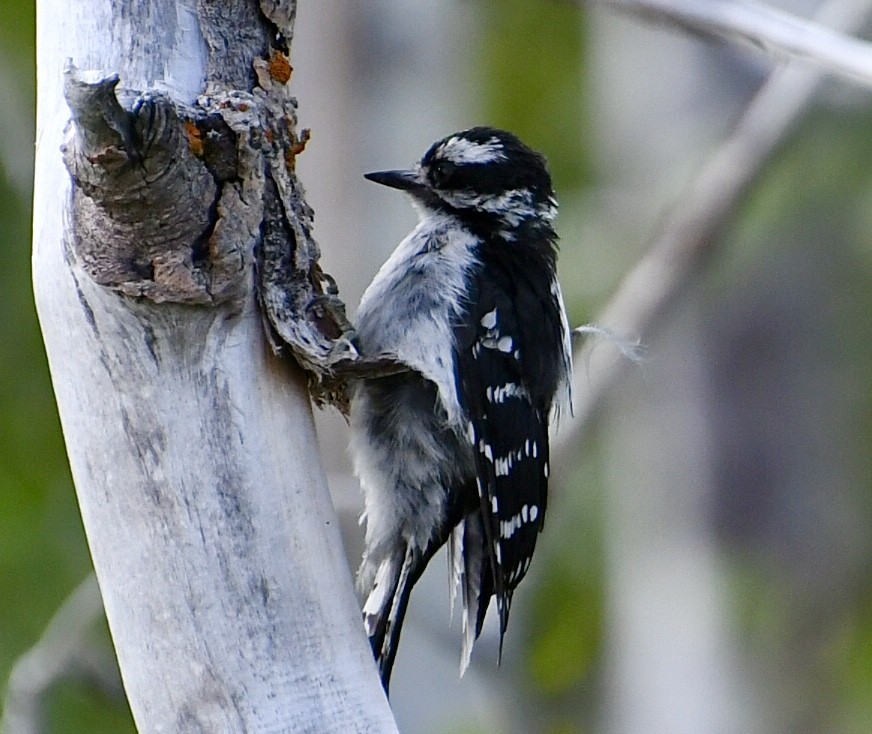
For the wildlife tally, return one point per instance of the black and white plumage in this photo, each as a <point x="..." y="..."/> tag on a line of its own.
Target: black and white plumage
<point x="456" y="449"/>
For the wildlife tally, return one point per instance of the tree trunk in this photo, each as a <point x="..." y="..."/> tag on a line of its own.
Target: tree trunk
<point x="191" y="445"/>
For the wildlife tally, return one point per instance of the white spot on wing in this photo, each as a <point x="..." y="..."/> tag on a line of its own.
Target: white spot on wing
<point x="489" y="320"/>
<point x="503" y="465"/>
<point x="501" y="393"/>
<point x="528" y="513"/>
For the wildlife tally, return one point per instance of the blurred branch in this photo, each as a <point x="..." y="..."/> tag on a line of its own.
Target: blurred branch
<point x="760" y="25"/>
<point x="66" y="648"/>
<point x="689" y="231"/>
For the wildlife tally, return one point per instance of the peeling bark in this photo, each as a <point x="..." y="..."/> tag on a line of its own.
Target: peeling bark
<point x="171" y="201"/>
<point x="145" y="202"/>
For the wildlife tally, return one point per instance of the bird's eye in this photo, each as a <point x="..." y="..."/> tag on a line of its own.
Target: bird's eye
<point x="441" y="173"/>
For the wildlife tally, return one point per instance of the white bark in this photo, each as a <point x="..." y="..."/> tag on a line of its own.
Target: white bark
<point x="192" y="450"/>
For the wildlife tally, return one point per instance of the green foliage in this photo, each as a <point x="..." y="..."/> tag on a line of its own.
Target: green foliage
<point x="77" y="707"/>
<point x="852" y="659"/>
<point x="531" y="57"/>
<point x="567" y="619"/>
<point x="17" y="30"/>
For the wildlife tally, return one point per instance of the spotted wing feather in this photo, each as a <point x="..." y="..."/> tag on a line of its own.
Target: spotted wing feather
<point x="507" y="406"/>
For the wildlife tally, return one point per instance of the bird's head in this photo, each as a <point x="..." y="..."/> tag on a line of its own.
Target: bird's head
<point x="484" y="176"/>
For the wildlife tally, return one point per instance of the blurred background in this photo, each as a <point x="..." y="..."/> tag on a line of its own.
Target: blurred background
<point x="707" y="561"/>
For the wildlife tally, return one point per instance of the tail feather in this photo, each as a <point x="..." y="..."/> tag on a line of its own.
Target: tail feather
<point x="476" y="582"/>
<point x="399" y="570"/>
<point x="385" y="607"/>
<point x="380" y="595"/>
<point x="455" y="566"/>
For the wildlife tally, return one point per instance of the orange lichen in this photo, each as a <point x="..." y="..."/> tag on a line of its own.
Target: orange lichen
<point x="195" y="138"/>
<point x="297" y="147"/>
<point x="280" y="68"/>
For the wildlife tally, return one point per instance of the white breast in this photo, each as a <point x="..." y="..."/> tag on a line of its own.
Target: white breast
<point x="409" y="307"/>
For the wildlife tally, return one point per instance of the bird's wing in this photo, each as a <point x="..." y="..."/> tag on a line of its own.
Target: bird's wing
<point x="507" y="425"/>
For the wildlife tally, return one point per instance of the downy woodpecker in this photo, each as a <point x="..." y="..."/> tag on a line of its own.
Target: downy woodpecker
<point x="456" y="448"/>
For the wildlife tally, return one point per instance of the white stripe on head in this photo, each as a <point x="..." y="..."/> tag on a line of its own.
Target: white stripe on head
<point x="514" y="206"/>
<point x="460" y="150"/>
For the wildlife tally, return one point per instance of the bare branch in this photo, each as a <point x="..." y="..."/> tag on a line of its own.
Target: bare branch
<point x="760" y="25"/>
<point x="689" y="230"/>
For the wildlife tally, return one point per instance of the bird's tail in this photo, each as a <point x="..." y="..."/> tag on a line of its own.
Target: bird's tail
<point x="386" y="604"/>
<point x="470" y="569"/>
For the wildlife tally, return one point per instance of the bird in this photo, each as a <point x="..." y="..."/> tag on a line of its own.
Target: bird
<point x="453" y="449"/>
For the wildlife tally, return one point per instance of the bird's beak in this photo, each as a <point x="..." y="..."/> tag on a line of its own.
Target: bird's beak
<point x="410" y="181"/>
